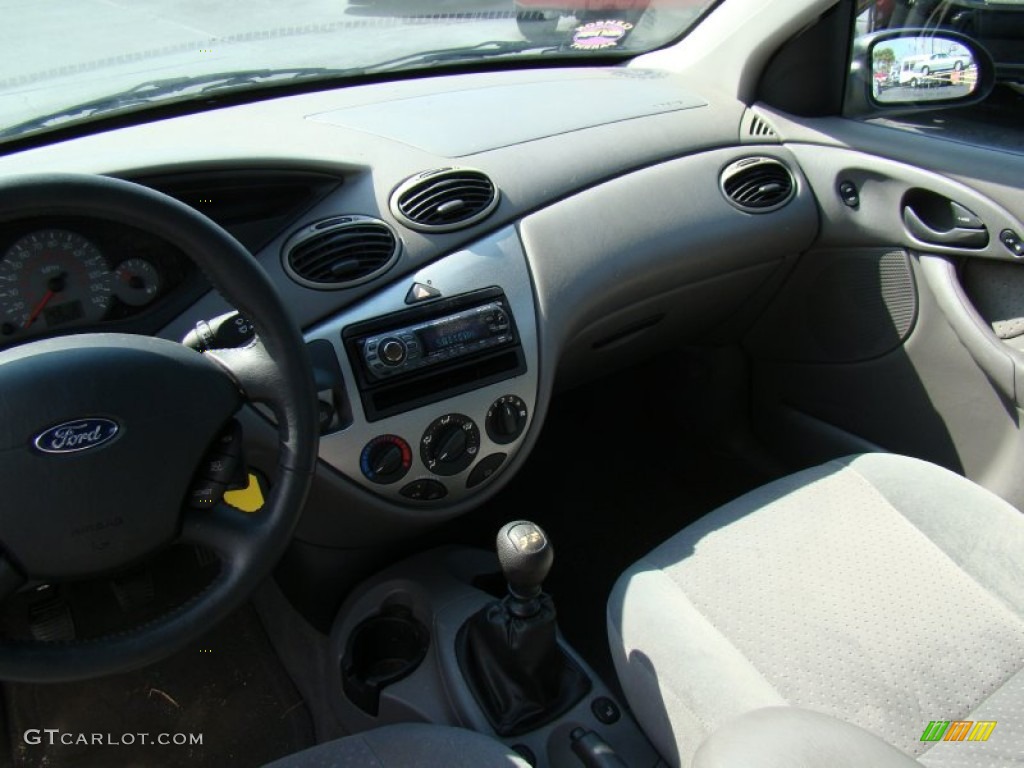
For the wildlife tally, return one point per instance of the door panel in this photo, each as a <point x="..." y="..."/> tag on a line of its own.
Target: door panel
<point x="903" y="328"/>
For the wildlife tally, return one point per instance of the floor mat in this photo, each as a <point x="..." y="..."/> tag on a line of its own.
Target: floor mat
<point x="229" y="689"/>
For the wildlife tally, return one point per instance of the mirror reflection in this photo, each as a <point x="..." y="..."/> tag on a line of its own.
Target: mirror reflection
<point x="915" y="69"/>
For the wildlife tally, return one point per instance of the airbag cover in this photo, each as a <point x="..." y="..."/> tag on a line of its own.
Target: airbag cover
<point x="100" y="435"/>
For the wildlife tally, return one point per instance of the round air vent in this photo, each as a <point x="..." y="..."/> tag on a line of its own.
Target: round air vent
<point x="758" y="184"/>
<point x="445" y="199"/>
<point x="341" y="251"/>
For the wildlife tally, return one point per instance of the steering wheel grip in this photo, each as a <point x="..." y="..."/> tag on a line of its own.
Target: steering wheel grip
<point x="275" y="371"/>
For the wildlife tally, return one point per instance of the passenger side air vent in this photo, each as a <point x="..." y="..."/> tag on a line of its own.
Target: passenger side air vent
<point x="340" y="252"/>
<point x="444" y="200"/>
<point x="758" y="184"/>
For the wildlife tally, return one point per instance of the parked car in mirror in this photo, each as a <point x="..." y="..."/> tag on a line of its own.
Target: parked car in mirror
<point x="997" y="25"/>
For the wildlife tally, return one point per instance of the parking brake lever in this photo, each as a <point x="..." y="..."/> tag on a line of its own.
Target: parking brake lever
<point x="593" y="751"/>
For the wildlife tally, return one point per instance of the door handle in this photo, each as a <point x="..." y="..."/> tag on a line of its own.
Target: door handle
<point x="964" y="237"/>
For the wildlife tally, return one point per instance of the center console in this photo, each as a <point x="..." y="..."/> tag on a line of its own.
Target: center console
<point x="397" y="654"/>
<point x="428" y="390"/>
<point x="437" y="383"/>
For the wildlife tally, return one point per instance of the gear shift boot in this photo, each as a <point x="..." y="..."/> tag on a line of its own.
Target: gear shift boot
<point x="508" y="651"/>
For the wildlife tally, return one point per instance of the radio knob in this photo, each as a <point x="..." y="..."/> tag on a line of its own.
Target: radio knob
<point x="392" y="351"/>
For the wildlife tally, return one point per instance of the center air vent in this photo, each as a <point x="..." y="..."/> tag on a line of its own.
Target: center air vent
<point x="340" y="252"/>
<point x="445" y="199"/>
<point x="758" y="184"/>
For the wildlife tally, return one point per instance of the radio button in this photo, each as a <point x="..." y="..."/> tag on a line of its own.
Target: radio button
<point x="392" y="351"/>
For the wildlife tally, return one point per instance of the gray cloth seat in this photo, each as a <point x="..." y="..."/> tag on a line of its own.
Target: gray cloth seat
<point x="407" y="745"/>
<point x="877" y="590"/>
<point x="788" y="737"/>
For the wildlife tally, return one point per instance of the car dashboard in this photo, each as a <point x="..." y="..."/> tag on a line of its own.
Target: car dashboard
<point x="455" y="249"/>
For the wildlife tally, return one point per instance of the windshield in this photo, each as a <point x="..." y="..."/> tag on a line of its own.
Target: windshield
<point x="69" y="61"/>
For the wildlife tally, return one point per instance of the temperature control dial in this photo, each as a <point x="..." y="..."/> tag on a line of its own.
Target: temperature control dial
<point x="385" y="459"/>
<point x="506" y="419"/>
<point x="450" y="444"/>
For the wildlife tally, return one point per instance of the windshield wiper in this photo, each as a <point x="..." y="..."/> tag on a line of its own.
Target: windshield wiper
<point x="156" y="91"/>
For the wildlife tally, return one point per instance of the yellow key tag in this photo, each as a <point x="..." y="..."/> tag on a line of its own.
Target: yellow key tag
<point x="248" y="499"/>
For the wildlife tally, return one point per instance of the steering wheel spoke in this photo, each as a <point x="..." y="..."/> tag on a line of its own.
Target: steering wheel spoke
<point x="252" y="369"/>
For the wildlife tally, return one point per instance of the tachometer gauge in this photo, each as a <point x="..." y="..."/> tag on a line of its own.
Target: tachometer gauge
<point x="137" y="283"/>
<point x="50" y="279"/>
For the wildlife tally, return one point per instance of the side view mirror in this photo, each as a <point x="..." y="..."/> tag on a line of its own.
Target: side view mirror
<point x="899" y="71"/>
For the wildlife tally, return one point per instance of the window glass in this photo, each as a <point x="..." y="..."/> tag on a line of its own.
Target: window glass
<point x="933" y="67"/>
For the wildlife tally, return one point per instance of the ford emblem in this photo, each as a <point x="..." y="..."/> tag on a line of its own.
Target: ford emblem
<point x="77" y="435"/>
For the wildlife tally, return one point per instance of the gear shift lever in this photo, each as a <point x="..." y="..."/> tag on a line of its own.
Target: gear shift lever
<point x="508" y="651"/>
<point x="526" y="556"/>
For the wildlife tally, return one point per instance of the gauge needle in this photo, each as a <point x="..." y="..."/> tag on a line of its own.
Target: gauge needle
<point x="39" y="308"/>
<point x="53" y="287"/>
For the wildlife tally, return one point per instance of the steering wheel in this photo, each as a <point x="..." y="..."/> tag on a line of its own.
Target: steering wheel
<point x="143" y="412"/>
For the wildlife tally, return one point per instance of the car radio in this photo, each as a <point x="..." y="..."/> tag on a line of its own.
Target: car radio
<point x="428" y="352"/>
<point x="408" y="348"/>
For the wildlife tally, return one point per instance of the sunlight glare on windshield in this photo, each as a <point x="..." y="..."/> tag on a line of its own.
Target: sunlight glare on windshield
<point x="72" y="60"/>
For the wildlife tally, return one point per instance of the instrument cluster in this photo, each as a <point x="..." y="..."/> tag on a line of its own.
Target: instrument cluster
<point x="66" y="274"/>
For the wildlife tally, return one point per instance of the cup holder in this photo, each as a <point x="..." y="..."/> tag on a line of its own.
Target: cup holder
<point x="381" y="650"/>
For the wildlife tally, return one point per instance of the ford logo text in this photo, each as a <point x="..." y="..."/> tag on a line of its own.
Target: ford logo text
<point x="77" y="435"/>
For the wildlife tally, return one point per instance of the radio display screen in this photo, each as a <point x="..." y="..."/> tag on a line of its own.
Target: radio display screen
<point x="453" y="333"/>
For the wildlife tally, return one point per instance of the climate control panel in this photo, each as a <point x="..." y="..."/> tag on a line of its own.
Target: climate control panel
<point x="448" y="447"/>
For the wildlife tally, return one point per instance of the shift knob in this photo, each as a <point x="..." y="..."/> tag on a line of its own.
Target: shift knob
<point x="526" y="556"/>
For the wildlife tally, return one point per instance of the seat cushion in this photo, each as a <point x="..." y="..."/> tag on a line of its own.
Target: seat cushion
<point x="787" y="737"/>
<point x="881" y="590"/>
<point x="408" y="745"/>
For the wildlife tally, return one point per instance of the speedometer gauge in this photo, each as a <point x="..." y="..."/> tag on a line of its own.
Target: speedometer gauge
<point x="50" y="279"/>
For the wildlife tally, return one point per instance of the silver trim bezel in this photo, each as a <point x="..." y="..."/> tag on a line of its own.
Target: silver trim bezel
<point x="497" y="260"/>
